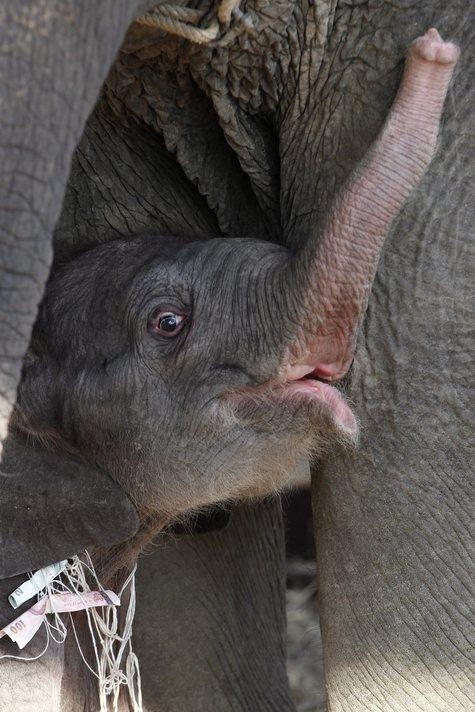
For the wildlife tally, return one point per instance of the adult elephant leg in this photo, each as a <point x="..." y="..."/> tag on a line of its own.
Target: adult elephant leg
<point x="215" y="639"/>
<point x="392" y="522"/>
<point x="54" y="57"/>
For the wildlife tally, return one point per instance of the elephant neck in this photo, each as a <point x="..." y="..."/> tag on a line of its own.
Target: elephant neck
<point x="114" y="563"/>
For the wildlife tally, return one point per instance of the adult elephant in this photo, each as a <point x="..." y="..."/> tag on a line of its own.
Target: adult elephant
<point x="193" y="139"/>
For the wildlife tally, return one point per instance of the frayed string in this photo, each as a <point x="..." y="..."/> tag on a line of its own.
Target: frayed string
<point x="115" y="664"/>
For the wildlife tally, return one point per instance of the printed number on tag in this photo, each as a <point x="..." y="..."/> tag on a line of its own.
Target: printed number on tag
<point x="19" y="626"/>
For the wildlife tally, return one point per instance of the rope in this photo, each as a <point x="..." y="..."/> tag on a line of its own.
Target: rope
<point x="225" y="10"/>
<point x="179" y="12"/>
<point x="184" y="22"/>
<point x="109" y="647"/>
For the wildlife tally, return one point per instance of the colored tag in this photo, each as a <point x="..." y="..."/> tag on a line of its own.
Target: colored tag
<point x="36" y="583"/>
<point x="67" y="602"/>
<point x="23" y="628"/>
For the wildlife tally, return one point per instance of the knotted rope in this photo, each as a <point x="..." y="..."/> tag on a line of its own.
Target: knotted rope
<point x="185" y="22"/>
<point x="110" y="648"/>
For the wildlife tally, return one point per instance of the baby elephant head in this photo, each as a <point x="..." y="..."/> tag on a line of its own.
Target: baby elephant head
<point x="164" y="362"/>
<point x="182" y="367"/>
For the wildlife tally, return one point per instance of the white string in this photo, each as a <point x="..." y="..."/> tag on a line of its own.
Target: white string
<point x="28" y="660"/>
<point x="112" y="651"/>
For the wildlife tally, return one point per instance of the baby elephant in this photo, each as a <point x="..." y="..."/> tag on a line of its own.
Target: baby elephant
<point x="196" y="371"/>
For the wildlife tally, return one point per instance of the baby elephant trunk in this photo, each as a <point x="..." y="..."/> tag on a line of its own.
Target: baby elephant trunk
<point x="335" y="272"/>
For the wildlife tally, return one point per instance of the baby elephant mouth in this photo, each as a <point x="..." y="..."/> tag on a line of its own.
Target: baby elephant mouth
<point x="300" y="391"/>
<point x="329" y="397"/>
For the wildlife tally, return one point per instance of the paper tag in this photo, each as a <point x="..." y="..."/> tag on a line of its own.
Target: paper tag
<point x="23" y="628"/>
<point x="36" y="583"/>
<point x="67" y="602"/>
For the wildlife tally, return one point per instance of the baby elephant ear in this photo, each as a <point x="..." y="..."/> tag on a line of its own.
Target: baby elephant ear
<point x="53" y="506"/>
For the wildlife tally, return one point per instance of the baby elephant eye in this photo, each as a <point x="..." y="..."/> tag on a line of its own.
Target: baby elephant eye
<point x="166" y="323"/>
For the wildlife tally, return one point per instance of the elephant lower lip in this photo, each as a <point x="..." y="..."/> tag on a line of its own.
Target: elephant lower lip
<point x="306" y="388"/>
<point x="303" y="389"/>
<point x="329" y="396"/>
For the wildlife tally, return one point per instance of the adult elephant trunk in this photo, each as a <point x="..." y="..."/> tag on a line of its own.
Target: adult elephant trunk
<point x="335" y="273"/>
<point x="54" y="58"/>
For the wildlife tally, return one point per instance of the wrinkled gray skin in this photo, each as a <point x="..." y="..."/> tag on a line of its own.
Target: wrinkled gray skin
<point x="158" y="412"/>
<point x="391" y="520"/>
